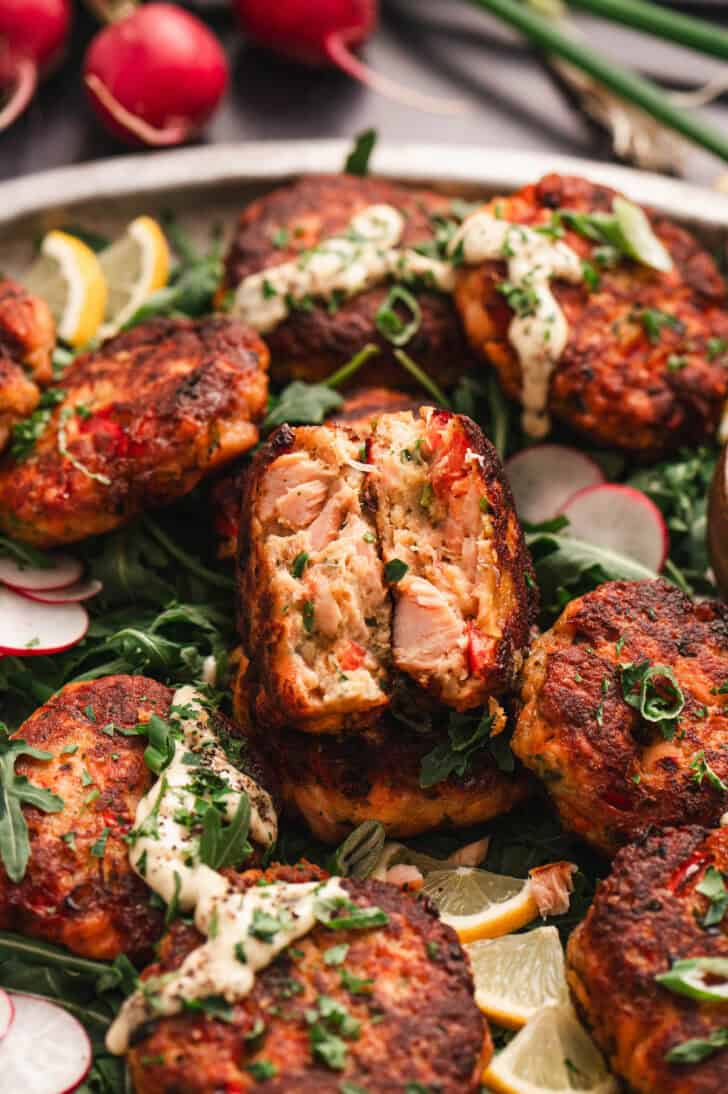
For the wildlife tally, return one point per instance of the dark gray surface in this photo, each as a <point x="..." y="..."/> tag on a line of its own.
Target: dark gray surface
<point x="441" y="46"/>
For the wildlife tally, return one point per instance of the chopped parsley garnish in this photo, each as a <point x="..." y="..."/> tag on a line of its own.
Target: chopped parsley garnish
<point x="98" y="849"/>
<point x="336" y="955"/>
<point x="340" y="914"/>
<point x="394" y="327"/>
<point x="70" y="839"/>
<point x="590" y="275"/>
<point x="676" y="362"/>
<point x="357" y="162"/>
<point x="522" y="298"/>
<point x="281" y="238"/>
<point x="467" y="735"/>
<point x="299" y="564"/>
<point x="654" y="321"/>
<point x="265" y="926"/>
<point x="394" y="570"/>
<point x="27" y="432"/>
<point x="262" y="1070"/>
<point x="308" y="616"/>
<point x="713" y="887"/>
<point x="330" y="1026"/>
<point x="86" y="779"/>
<point x="355" y="984"/>
<point x="716" y="347"/>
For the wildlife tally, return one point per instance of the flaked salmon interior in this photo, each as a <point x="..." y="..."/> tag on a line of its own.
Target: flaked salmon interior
<point x="329" y="640"/>
<point x="437" y="541"/>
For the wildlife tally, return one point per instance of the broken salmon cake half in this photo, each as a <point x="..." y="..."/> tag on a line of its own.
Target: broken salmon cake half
<point x="454" y="556"/>
<point x="314" y="607"/>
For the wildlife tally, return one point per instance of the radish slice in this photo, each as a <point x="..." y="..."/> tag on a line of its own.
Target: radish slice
<point x="46" y="1051"/>
<point x="621" y="519"/>
<point x="61" y="572"/>
<point x="545" y="476"/>
<point x="82" y="590"/>
<point x="27" y="627"/>
<point x="7" y="1013"/>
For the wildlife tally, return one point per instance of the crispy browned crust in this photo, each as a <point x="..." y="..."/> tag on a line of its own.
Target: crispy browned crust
<point x="27" y="339"/>
<point x="612" y="384"/>
<point x="312" y="344"/>
<point x="162" y="405"/>
<point x="96" y="906"/>
<point x="419" y="1022"/>
<point x="335" y="783"/>
<point x="610" y="774"/>
<point x="645" y="916"/>
<point x="27" y="330"/>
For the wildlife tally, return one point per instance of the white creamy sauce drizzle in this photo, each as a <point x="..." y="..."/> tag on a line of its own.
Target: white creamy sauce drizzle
<point x="366" y="254"/>
<point x="226" y="964"/>
<point x="540" y="333"/>
<point x="166" y="854"/>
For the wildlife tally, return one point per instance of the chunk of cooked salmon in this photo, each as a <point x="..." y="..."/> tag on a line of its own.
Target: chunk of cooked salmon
<point x="141" y="420"/>
<point x="27" y="341"/>
<point x="313" y="604"/>
<point x="454" y="555"/>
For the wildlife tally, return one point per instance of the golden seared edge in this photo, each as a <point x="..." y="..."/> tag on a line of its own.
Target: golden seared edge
<point x="621" y="381"/>
<point x="335" y="783"/>
<point x="611" y="774"/>
<point x="313" y="343"/>
<point x="314" y="608"/>
<point x="77" y="891"/>
<point x="418" y="1022"/>
<point x="645" y="916"/>
<point x="142" y="420"/>
<point x="464" y="594"/>
<point x="27" y="341"/>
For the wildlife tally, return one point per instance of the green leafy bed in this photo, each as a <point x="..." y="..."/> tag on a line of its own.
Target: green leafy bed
<point x="168" y="605"/>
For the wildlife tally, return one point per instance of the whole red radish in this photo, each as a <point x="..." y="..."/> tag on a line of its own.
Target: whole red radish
<point x="33" y="34"/>
<point x="155" y="76"/>
<point x="324" y="32"/>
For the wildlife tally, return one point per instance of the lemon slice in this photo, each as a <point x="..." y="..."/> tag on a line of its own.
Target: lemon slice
<point x="135" y="266"/>
<point x="552" y="1054"/>
<point x="68" y="276"/>
<point x="478" y="904"/>
<point x="517" y="975"/>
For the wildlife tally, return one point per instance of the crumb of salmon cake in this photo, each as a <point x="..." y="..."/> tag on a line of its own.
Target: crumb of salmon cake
<point x="360" y="560"/>
<point x="140" y="421"/>
<point x="379" y="1009"/>
<point x="660" y="906"/>
<point x="644" y="364"/>
<point x="625" y="712"/>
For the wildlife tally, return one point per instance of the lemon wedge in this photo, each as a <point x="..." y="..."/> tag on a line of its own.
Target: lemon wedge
<point x="479" y="904"/>
<point x="135" y="266"/>
<point x="517" y="975"/>
<point x="68" y="276"/>
<point x="552" y="1054"/>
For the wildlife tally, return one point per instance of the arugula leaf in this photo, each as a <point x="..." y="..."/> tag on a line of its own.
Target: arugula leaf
<point x="702" y="770"/>
<point x="225" y="845"/>
<point x="468" y="734"/>
<point x="704" y="978"/>
<point x="302" y="404"/>
<point x="16" y="790"/>
<point x="357" y="162"/>
<point x="340" y="914"/>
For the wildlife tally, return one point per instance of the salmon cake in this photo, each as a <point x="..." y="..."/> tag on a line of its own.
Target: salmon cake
<point x="314" y="607"/>
<point x="384" y="1008"/>
<point x="454" y="555"/>
<point x="359" y="561"/>
<point x="647" y="967"/>
<point x="27" y="341"/>
<point x="625" y="712"/>
<point x="78" y="888"/>
<point x="139" y="422"/>
<point x="643" y="367"/>
<point x="336" y="782"/>
<point x="321" y="334"/>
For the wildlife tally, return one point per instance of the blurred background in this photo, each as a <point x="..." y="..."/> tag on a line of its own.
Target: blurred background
<point x="448" y="48"/>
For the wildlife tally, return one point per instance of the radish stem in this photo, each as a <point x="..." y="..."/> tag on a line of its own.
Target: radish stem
<point x="347" y="371"/>
<point x="25" y="83"/>
<point x="621" y="81"/>
<point x="338" y="52"/>
<point x="159" y="138"/>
